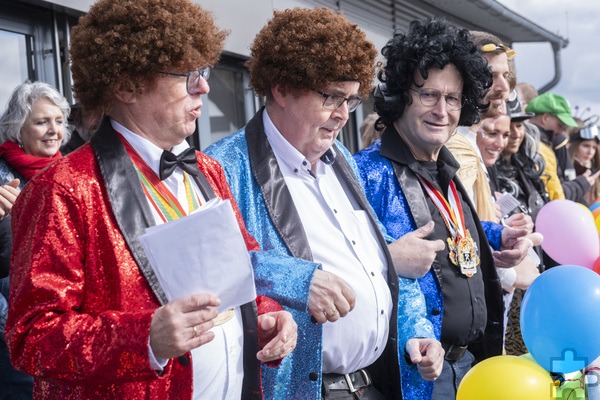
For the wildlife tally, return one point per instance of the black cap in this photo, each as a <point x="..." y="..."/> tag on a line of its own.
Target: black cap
<point x="588" y="132"/>
<point x="515" y="109"/>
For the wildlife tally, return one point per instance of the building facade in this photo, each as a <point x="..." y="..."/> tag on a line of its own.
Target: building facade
<point x="34" y="42"/>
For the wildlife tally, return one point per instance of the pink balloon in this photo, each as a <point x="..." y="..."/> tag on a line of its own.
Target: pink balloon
<point x="570" y="234"/>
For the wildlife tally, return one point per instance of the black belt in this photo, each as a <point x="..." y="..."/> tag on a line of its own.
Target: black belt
<point x="453" y="351"/>
<point x="347" y="382"/>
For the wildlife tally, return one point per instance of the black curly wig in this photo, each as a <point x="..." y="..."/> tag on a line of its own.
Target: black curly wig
<point x="430" y="43"/>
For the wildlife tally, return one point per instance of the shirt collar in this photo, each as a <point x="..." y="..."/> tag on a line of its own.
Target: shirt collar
<point x="396" y="149"/>
<point x="288" y="154"/>
<point x="149" y="152"/>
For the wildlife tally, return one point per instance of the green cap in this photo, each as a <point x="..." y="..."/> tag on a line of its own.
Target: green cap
<point x="550" y="103"/>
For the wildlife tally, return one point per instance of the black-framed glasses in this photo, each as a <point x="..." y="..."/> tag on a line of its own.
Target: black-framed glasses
<point x="193" y="78"/>
<point x="333" y="102"/>
<point x="430" y="97"/>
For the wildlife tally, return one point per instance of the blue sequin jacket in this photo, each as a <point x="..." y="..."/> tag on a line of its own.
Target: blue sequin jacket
<point x="399" y="202"/>
<point x="266" y="204"/>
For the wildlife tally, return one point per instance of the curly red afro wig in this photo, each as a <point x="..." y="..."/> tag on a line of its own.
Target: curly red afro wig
<point x="129" y="41"/>
<point x="307" y="49"/>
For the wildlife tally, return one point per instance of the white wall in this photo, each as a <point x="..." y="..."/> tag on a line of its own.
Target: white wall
<point x="80" y="5"/>
<point x="245" y="18"/>
<point x="242" y="18"/>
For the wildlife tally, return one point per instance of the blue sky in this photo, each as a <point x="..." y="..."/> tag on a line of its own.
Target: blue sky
<point x="576" y="20"/>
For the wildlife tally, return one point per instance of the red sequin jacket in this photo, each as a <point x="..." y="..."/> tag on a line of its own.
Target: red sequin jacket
<point x="82" y="292"/>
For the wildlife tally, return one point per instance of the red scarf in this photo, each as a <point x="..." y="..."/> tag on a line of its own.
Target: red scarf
<point x="25" y="164"/>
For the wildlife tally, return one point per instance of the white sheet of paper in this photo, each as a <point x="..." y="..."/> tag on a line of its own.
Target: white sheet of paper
<point x="202" y="252"/>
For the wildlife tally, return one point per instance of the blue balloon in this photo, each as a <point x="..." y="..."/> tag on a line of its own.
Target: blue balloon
<point x="594" y="206"/>
<point x="560" y="318"/>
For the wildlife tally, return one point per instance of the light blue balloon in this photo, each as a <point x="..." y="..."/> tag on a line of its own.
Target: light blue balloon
<point x="594" y="206"/>
<point x="560" y="318"/>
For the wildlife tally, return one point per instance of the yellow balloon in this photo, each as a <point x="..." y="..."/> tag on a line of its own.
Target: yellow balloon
<point x="584" y="206"/>
<point x="597" y="221"/>
<point x="506" y="378"/>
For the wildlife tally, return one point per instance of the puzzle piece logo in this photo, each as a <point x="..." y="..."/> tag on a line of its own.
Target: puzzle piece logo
<point x="569" y="386"/>
<point x="568" y="361"/>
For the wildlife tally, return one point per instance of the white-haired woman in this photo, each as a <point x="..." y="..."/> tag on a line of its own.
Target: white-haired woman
<point x="32" y="128"/>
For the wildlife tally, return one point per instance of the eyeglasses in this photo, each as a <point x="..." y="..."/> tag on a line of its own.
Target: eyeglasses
<point x="333" y="102"/>
<point x="430" y="97"/>
<point x="491" y="47"/>
<point x="192" y="82"/>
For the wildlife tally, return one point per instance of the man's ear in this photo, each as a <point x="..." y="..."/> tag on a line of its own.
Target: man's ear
<point x="278" y="96"/>
<point x="545" y="120"/>
<point x="126" y="92"/>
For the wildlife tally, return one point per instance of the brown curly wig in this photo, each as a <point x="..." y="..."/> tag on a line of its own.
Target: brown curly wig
<point x="307" y="49"/>
<point x="129" y="41"/>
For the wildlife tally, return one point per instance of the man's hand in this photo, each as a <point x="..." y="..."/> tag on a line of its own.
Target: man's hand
<point x="520" y="221"/>
<point x="515" y="245"/>
<point x="8" y="196"/>
<point x="591" y="178"/>
<point x="527" y="270"/>
<point x="330" y="297"/>
<point x="413" y="254"/>
<point x="536" y="238"/>
<point x="182" y="325"/>
<point x="428" y="355"/>
<point x="277" y="334"/>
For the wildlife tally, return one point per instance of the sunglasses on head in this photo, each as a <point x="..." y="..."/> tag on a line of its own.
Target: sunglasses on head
<point x="491" y="47"/>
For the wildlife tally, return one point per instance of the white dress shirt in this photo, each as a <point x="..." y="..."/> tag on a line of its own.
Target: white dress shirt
<point x="344" y="241"/>
<point x="217" y="365"/>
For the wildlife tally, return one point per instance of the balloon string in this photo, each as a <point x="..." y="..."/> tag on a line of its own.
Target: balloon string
<point x="581" y="381"/>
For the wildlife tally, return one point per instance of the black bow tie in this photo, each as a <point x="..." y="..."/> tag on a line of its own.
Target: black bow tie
<point x="186" y="161"/>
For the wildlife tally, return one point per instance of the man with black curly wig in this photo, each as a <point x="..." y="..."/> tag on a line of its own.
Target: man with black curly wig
<point x="299" y="194"/>
<point x="89" y="319"/>
<point x="433" y="79"/>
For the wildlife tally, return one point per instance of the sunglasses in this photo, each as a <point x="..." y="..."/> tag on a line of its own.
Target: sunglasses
<point x="491" y="47"/>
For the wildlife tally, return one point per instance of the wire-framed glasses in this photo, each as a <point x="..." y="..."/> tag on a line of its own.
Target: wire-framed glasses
<point x="193" y="78"/>
<point x="430" y="97"/>
<point x="333" y="102"/>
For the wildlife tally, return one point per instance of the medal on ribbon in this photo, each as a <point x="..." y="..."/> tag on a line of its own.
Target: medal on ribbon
<point x="462" y="249"/>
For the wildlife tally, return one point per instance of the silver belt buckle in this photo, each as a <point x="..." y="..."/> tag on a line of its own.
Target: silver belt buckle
<point x="349" y="382"/>
<point x="365" y="376"/>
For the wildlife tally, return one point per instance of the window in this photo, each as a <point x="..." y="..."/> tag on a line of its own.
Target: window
<point x="15" y="64"/>
<point x="229" y="105"/>
<point x="226" y="97"/>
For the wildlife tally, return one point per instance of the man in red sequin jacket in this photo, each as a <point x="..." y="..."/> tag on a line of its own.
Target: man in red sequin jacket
<point x="88" y="318"/>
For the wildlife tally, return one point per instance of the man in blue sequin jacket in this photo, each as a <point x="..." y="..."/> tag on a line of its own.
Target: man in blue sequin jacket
<point x="432" y="81"/>
<point x="297" y="189"/>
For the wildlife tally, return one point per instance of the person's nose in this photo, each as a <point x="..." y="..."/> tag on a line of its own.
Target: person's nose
<point x="501" y="84"/>
<point x="54" y="127"/>
<point x="440" y="108"/>
<point x="341" y="113"/>
<point x="499" y="142"/>
<point x="202" y="88"/>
